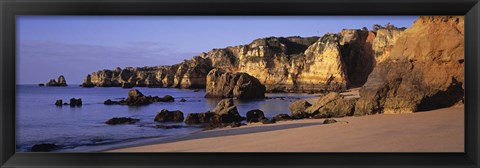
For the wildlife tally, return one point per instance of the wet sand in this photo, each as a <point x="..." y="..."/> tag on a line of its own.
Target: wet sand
<point x="439" y="130"/>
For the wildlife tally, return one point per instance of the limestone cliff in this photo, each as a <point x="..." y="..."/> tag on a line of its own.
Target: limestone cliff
<point x="332" y="62"/>
<point x="424" y="70"/>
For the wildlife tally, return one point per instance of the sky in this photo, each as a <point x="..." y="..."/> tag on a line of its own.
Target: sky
<point x="74" y="46"/>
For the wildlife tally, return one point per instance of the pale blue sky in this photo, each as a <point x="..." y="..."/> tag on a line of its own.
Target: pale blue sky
<point x="48" y="46"/>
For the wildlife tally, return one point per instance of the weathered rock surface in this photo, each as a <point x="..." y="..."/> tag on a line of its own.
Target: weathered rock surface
<point x="136" y="98"/>
<point x="298" y="108"/>
<point x="224" y="114"/>
<point x="59" y="82"/>
<point x="169" y="116"/>
<point x="87" y="82"/>
<point x="281" y="117"/>
<point x="282" y="64"/>
<point x="221" y="84"/>
<point x="330" y="105"/>
<point x="424" y="70"/>
<point x="121" y="120"/>
<point x="255" y="115"/>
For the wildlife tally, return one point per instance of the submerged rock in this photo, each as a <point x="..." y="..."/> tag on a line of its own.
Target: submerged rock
<point x="121" y="120"/>
<point x="43" y="147"/>
<point x="41" y="84"/>
<point x="183" y="100"/>
<point x="169" y="116"/>
<point x="222" y="84"/>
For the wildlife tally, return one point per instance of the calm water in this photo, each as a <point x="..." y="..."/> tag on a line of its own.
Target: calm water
<point x="83" y="128"/>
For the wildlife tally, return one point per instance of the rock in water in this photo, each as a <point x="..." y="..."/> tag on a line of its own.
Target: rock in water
<point x="167" y="98"/>
<point x="227" y="111"/>
<point x="298" y="107"/>
<point x="183" y="100"/>
<point x="202" y="118"/>
<point x="75" y="102"/>
<point x="87" y="82"/>
<point x="169" y="116"/>
<point x="221" y="84"/>
<point x="255" y="115"/>
<point x="121" y="120"/>
<point x="424" y="71"/>
<point x="60" y="82"/>
<point x="59" y="102"/>
<point x="43" y="147"/>
<point x="41" y="84"/>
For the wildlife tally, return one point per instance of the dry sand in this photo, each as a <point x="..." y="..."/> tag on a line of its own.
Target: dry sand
<point x="439" y="130"/>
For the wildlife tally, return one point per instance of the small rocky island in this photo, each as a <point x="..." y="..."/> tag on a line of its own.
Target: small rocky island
<point x="59" y="82"/>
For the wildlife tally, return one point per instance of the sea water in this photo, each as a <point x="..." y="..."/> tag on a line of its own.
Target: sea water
<point x="83" y="129"/>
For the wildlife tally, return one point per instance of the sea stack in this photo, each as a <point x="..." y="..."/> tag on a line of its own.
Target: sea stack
<point x="59" y="82"/>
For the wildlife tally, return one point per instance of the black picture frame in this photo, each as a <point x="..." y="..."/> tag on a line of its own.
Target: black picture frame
<point x="9" y="9"/>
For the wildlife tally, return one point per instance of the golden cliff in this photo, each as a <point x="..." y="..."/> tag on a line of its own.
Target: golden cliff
<point x="332" y="62"/>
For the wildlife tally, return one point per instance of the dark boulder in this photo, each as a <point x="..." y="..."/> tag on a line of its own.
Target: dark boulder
<point x="41" y="84"/>
<point x="202" y="118"/>
<point x="329" y="121"/>
<point x="121" y="120"/>
<point x="183" y="100"/>
<point x="255" y="115"/>
<point x="167" y="98"/>
<point x="227" y="111"/>
<point x="169" y="116"/>
<point x="267" y="121"/>
<point x="281" y="117"/>
<point x="59" y="102"/>
<point x="75" y="102"/>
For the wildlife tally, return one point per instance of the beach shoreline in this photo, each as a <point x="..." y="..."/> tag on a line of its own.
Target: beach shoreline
<point x="440" y="130"/>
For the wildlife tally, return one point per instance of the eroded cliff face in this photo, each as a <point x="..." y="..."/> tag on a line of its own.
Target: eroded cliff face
<point x="332" y="62"/>
<point x="424" y="70"/>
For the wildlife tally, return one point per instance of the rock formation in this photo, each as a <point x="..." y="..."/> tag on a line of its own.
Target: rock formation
<point x="224" y="114"/>
<point x="424" y="71"/>
<point x="169" y="116"/>
<point x="87" y="82"/>
<point x="221" y="84"/>
<point x="136" y="98"/>
<point x="59" y="82"/>
<point x="327" y="106"/>
<point x="255" y="115"/>
<point x="332" y="62"/>
<point x="121" y="120"/>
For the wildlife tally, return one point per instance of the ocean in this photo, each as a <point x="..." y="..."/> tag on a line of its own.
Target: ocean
<point x="83" y="129"/>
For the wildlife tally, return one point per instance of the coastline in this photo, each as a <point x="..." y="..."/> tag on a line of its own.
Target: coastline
<point x="440" y="130"/>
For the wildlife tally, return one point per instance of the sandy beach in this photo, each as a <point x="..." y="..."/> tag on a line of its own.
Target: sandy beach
<point x="440" y="130"/>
